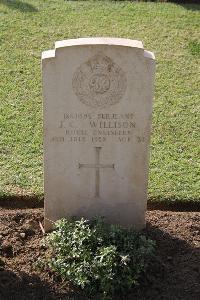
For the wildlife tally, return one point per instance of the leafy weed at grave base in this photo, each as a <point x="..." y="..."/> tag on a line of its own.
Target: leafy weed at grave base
<point x="100" y="259"/>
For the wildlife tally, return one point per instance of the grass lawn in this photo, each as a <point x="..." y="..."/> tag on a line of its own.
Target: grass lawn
<point x="169" y="30"/>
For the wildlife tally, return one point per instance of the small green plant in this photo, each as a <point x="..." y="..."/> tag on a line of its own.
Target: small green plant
<point x="97" y="257"/>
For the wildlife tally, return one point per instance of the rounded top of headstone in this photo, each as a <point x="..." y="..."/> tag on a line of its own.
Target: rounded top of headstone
<point x="99" y="41"/>
<point x="95" y="41"/>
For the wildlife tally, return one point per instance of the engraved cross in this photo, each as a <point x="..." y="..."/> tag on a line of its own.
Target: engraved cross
<point x="97" y="166"/>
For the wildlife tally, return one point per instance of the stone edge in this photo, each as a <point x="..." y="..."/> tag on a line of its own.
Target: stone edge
<point x="97" y="41"/>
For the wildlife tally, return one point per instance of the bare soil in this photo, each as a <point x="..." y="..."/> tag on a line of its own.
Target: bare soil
<point x="173" y="274"/>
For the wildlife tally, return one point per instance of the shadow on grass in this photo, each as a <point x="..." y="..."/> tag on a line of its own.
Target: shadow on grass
<point x="187" y="4"/>
<point x="191" y="6"/>
<point x="170" y="204"/>
<point x="19" y="5"/>
<point x="25" y="201"/>
<point x="173" y="204"/>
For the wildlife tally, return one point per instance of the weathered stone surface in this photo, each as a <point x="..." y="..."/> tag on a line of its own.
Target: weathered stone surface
<point x="97" y="120"/>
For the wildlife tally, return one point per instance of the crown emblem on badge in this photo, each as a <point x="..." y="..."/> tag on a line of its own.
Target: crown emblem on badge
<point x="99" y="82"/>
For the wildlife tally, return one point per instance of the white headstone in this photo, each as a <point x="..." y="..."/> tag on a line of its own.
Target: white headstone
<point x="97" y="120"/>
